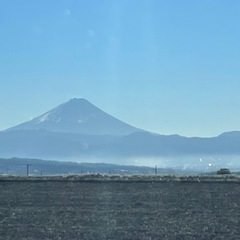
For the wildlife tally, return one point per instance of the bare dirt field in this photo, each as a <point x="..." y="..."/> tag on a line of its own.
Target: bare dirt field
<point x="119" y="210"/>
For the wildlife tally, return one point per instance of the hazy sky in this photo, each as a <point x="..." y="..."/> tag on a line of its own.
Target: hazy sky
<point x="165" y="66"/>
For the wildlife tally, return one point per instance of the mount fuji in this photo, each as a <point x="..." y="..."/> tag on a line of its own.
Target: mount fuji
<point x="79" y="131"/>
<point x="78" y="116"/>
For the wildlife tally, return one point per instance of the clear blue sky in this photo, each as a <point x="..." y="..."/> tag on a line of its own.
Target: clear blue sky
<point x="165" y="66"/>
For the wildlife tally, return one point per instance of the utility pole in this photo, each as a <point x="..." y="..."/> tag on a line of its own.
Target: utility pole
<point x="28" y="165"/>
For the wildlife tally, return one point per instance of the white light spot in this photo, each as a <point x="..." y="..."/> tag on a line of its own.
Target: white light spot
<point x="43" y="118"/>
<point x="67" y="12"/>
<point x="209" y="164"/>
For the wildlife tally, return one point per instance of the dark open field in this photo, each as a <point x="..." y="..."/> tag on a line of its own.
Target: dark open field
<point x="119" y="210"/>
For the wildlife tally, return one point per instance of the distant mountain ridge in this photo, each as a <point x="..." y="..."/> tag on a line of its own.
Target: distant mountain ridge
<point x="230" y="134"/>
<point x="79" y="131"/>
<point x="78" y="116"/>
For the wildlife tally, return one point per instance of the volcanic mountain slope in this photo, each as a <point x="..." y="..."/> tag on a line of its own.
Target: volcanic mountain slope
<point x="78" y="116"/>
<point x="77" y="130"/>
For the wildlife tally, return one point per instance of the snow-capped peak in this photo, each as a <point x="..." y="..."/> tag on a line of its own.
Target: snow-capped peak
<point x="78" y="116"/>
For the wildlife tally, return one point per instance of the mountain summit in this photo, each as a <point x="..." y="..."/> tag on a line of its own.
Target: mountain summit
<point x="78" y="116"/>
<point x="77" y="130"/>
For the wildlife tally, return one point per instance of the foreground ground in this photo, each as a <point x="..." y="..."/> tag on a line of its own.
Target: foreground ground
<point x="119" y="209"/>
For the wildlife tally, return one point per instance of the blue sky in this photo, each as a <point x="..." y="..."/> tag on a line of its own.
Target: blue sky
<point x="165" y="66"/>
